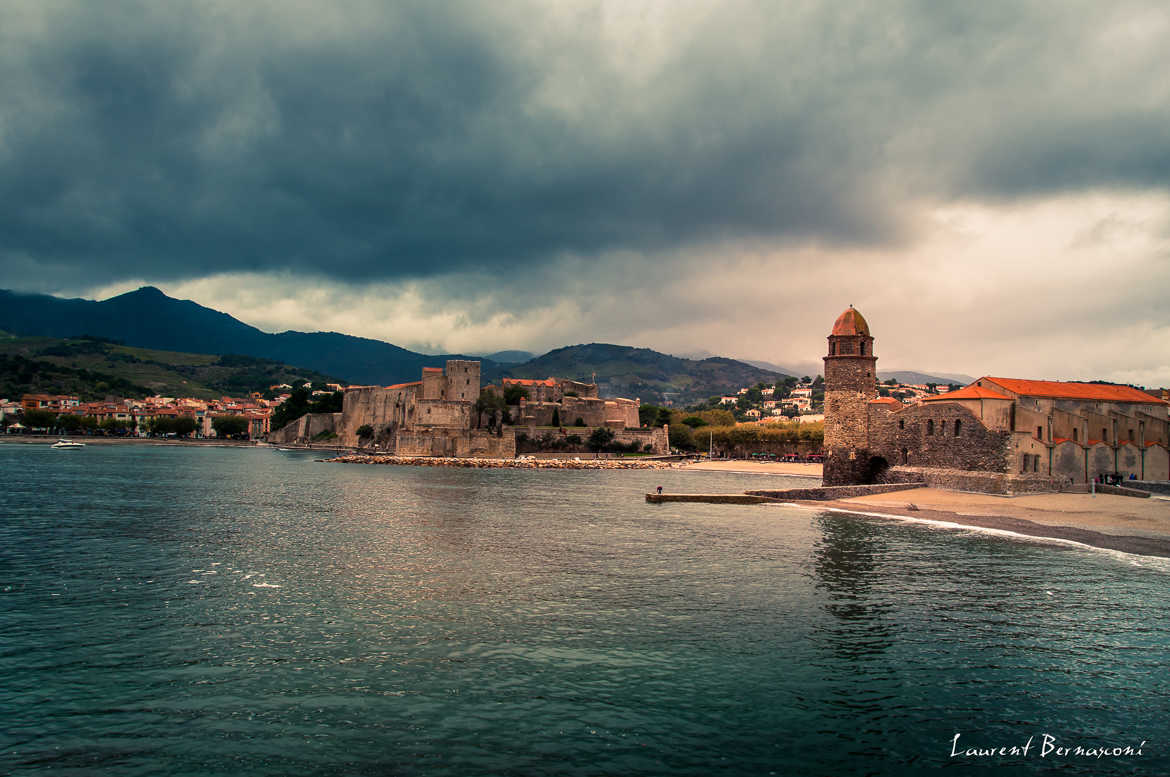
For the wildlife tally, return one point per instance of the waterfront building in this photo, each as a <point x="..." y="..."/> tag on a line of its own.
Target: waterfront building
<point x="997" y="434"/>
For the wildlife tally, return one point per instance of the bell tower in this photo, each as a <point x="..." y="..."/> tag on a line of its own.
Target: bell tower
<point x="850" y="383"/>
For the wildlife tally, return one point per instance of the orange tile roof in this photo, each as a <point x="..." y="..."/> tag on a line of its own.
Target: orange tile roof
<point x="529" y="382"/>
<point x="404" y="385"/>
<point x="885" y="401"/>
<point x="850" y="323"/>
<point x="432" y="369"/>
<point x="1069" y="390"/>
<point x="969" y="392"/>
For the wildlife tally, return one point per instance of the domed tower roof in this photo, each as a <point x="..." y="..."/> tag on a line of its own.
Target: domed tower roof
<point x="851" y="323"/>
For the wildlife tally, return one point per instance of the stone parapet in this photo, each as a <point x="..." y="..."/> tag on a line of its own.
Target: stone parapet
<point x="834" y="492"/>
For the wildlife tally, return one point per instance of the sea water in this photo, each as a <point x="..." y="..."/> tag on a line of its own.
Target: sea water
<point x="229" y="611"/>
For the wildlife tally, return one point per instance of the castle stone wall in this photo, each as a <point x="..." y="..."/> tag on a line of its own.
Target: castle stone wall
<point x="925" y="435"/>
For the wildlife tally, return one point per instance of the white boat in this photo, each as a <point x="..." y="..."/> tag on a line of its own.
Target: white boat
<point x="63" y="443"/>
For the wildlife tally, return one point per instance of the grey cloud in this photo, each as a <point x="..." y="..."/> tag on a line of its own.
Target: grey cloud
<point x="363" y="141"/>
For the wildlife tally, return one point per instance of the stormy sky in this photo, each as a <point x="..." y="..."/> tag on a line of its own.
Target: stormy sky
<point x="989" y="183"/>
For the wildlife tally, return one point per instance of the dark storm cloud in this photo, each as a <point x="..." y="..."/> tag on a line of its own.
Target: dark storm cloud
<point x="360" y="141"/>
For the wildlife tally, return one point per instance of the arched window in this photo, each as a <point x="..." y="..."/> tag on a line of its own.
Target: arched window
<point x="958" y="427"/>
<point x="905" y="456"/>
<point x="832" y="348"/>
<point x="901" y="423"/>
<point x="930" y="426"/>
<point x="1074" y="434"/>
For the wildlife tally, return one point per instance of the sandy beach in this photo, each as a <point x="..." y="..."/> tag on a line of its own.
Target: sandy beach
<point x="1106" y="521"/>
<point x="1117" y="522"/>
<point x="757" y="467"/>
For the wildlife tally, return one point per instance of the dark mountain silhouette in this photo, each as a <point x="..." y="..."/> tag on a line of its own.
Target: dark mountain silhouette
<point x="148" y="318"/>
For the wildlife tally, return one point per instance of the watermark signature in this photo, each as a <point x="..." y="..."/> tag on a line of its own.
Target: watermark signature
<point x="1047" y="746"/>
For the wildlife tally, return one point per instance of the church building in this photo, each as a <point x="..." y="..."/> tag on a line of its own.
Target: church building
<point x="999" y="435"/>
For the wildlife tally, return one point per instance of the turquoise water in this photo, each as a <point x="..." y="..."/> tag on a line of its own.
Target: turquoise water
<point x="190" y="611"/>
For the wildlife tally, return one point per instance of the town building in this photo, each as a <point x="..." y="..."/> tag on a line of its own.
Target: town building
<point x="1000" y="435"/>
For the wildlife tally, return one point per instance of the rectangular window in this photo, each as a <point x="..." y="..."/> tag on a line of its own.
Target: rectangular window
<point x="1039" y="433"/>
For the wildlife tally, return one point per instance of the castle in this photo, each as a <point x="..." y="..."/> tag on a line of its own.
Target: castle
<point x="1000" y="435"/>
<point x="438" y="415"/>
<point x="562" y="402"/>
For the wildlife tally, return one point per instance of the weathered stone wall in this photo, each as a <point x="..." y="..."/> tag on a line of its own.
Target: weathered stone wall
<point x="1154" y="487"/>
<point x="983" y="482"/>
<point x="1069" y="460"/>
<point x="454" y="443"/>
<point x="656" y="437"/>
<point x="925" y="435"/>
<point x="1157" y="463"/>
<point x="621" y="413"/>
<point x="1101" y="461"/>
<point x="380" y="408"/>
<point x="463" y="378"/>
<point x="850" y="383"/>
<point x="1129" y="460"/>
<point x="585" y="390"/>
<point x="305" y="428"/>
<point x="447" y="413"/>
<point x="836" y="492"/>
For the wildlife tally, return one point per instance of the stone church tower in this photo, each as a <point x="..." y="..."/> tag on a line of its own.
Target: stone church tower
<point x="850" y="383"/>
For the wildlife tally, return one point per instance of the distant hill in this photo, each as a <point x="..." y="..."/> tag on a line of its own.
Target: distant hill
<point x="148" y="318"/>
<point x="639" y="372"/>
<point x="94" y="369"/>
<point x="912" y="377"/>
<point x="902" y="376"/>
<point x="510" y="357"/>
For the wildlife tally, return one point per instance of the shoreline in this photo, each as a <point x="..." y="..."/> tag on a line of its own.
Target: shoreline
<point x="1118" y="523"/>
<point x="24" y="439"/>
<point x="474" y="463"/>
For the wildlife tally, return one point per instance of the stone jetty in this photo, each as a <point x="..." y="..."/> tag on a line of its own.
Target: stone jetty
<point x="518" y="463"/>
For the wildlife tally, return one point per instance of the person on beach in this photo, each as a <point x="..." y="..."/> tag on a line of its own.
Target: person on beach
<point x="660" y="490"/>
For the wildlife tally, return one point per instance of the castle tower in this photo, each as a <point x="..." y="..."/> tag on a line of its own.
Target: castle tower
<point x="850" y="383"/>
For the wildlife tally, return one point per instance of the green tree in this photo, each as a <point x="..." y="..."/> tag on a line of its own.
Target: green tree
<point x="229" y="425"/>
<point x="185" y="426"/>
<point x="69" y="423"/>
<point x="647" y="414"/>
<point x="114" y="426"/>
<point x="513" y="395"/>
<point x="494" y="406"/>
<point x="601" y="437"/>
<point x="328" y="403"/>
<point x="292" y="408"/>
<point x="365" y="432"/>
<point x="682" y="437"/>
<point x="694" y="421"/>
<point x="39" y="419"/>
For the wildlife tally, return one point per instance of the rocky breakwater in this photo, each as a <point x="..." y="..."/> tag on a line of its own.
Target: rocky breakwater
<point x="519" y="463"/>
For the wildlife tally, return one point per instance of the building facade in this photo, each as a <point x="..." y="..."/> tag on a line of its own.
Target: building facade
<point x="998" y="434"/>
